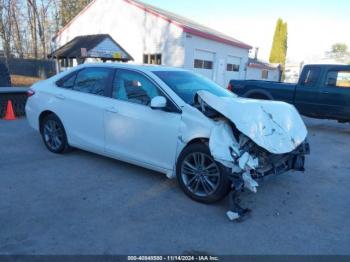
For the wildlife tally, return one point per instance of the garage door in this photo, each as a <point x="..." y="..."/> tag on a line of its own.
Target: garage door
<point x="233" y="68"/>
<point x="204" y="63"/>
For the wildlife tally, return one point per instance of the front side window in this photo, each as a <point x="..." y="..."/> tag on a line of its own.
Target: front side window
<point x="339" y="79"/>
<point x="92" y="81"/>
<point x="133" y="87"/>
<point x="186" y="84"/>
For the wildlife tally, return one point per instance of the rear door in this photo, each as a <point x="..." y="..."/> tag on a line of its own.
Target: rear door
<point x="79" y="101"/>
<point x="307" y="97"/>
<point x="335" y="94"/>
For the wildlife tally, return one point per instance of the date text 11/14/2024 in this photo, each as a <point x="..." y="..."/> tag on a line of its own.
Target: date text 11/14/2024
<point x="173" y="258"/>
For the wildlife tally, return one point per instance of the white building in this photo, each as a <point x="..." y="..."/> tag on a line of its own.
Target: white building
<point x="155" y="36"/>
<point x="259" y="70"/>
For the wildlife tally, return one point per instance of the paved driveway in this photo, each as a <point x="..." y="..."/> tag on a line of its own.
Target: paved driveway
<point x="82" y="203"/>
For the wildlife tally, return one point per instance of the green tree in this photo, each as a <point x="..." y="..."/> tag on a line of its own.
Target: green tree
<point x="280" y="44"/>
<point x="69" y="9"/>
<point x="340" y="53"/>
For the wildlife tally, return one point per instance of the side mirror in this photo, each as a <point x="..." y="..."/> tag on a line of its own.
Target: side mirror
<point x="159" y="102"/>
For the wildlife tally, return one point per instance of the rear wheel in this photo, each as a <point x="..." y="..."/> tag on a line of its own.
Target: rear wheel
<point x="200" y="176"/>
<point x="54" y="134"/>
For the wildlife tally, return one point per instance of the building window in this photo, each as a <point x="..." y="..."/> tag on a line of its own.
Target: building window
<point x="203" y="64"/>
<point x="152" y="59"/>
<point x="264" y="74"/>
<point x="233" y="68"/>
<point x="67" y="62"/>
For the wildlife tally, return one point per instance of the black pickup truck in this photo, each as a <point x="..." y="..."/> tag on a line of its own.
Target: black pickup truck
<point x="323" y="91"/>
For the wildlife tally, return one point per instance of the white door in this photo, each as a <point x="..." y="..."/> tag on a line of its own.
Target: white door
<point x="204" y="63"/>
<point x="133" y="130"/>
<point x="80" y="102"/>
<point x="233" y="68"/>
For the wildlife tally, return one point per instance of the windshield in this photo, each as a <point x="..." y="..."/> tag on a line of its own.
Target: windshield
<point x="186" y="84"/>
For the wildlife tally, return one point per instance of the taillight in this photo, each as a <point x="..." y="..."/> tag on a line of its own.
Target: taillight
<point x="30" y="92"/>
<point x="230" y="87"/>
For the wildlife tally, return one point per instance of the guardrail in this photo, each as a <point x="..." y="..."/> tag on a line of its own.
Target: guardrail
<point x="18" y="96"/>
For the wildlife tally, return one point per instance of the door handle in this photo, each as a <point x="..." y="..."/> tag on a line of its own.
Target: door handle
<point x="59" y="96"/>
<point x="112" y="110"/>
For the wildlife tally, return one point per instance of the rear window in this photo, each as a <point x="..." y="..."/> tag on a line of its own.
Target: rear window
<point x="88" y="80"/>
<point x="339" y="79"/>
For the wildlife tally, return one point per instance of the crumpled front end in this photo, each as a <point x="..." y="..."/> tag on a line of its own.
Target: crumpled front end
<point x="247" y="161"/>
<point x="254" y="139"/>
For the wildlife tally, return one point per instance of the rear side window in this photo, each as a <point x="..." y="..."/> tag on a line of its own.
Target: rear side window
<point x="67" y="82"/>
<point x="89" y="80"/>
<point x="339" y="79"/>
<point x="92" y="81"/>
<point x="310" y="77"/>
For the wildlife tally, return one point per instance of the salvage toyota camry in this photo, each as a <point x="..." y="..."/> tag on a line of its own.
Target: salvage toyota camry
<point x="172" y="121"/>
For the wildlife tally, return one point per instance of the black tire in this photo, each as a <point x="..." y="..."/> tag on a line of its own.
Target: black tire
<point x="58" y="144"/>
<point x="258" y="96"/>
<point x="220" y="179"/>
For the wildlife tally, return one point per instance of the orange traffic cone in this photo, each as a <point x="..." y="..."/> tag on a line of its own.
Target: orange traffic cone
<point x="10" y="115"/>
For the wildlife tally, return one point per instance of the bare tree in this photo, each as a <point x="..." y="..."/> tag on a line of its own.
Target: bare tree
<point x="17" y="28"/>
<point x="5" y="27"/>
<point x="27" y="26"/>
<point x="32" y="28"/>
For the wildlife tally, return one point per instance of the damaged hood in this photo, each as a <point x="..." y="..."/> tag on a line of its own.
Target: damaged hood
<point x="274" y="126"/>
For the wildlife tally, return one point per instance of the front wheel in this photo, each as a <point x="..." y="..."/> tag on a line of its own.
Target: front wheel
<point x="200" y="176"/>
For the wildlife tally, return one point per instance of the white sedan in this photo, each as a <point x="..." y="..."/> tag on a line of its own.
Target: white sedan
<point x="169" y="120"/>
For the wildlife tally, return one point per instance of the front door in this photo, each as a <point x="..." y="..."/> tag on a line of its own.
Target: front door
<point x="307" y="99"/>
<point x="133" y="130"/>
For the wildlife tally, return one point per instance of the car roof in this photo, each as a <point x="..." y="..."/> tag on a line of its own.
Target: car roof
<point x="148" y="68"/>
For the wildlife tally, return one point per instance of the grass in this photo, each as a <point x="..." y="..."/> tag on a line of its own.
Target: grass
<point x="19" y="81"/>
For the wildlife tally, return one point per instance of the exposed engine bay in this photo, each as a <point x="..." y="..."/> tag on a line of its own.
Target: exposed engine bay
<point x="256" y="152"/>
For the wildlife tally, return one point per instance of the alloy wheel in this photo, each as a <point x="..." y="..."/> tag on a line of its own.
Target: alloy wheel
<point x="53" y="134"/>
<point x="200" y="174"/>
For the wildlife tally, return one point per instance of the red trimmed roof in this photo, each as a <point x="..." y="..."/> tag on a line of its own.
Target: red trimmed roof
<point x="186" y="24"/>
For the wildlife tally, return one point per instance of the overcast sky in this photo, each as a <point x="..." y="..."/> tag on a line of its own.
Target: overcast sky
<point x="313" y="25"/>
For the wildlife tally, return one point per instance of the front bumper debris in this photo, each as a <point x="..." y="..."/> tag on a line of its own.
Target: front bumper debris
<point x="294" y="161"/>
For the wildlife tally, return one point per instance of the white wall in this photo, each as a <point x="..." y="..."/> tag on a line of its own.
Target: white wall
<point x="255" y="74"/>
<point x="222" y="56"/>
<point x="140" y="32"/>
<point x="137" y="31"/>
